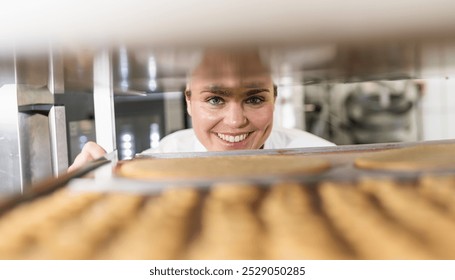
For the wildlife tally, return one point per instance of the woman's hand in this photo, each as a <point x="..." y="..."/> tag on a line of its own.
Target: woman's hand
<point x="90" y="151"/>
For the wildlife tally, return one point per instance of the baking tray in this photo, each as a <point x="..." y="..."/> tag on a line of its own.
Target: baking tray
<point x="341" y="159"/>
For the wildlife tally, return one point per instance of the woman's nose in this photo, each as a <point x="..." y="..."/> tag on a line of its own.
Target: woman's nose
<point x="235" y="116"/>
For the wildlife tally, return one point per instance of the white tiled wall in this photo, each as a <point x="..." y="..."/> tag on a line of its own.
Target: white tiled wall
<point x="438" y="101"/>
<point x="438" y="109"/>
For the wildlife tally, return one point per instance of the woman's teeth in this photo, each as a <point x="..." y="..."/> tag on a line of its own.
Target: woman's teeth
<point x="231" y="138"/>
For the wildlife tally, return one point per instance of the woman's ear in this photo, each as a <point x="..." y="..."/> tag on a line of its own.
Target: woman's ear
<point x="275" y="92"/>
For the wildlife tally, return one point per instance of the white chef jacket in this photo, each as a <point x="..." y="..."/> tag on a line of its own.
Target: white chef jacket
<point x="280" y="138"/>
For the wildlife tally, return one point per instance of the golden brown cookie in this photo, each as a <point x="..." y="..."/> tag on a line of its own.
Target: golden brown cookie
<point x="416" y="158"/>
<point x="221" y="167"/>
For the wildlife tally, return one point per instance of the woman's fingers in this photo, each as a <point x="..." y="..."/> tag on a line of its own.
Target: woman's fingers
<point x="90" y="151"/>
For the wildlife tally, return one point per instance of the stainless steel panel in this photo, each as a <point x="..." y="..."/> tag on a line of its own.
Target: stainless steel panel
<point x="56" y="84"/>
<point x="78" y="70"/>
<point x="10" y="166"/>
<point x="32" y="68"/>
<point x="29" y="94"/>
<point x="29" y="118"/>
<point x="31" y="75"/>
<point x="58" y="140"/>
<point x="103" y="98"/>
<point x="35" y="148"/>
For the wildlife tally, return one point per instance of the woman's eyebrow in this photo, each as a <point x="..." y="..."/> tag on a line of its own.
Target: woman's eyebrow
<point x="217" y="90"/>
<point x="256" y="91"/>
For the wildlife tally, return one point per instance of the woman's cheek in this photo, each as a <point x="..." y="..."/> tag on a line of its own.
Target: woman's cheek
<point x="209" y="115"/>
<point x="263" y="117"/>
<point x="204" y="115"/>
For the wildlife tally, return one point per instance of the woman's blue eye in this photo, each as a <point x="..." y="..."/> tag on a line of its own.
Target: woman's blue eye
<point x="254" y="100"/>
<point x="215" y="100"/>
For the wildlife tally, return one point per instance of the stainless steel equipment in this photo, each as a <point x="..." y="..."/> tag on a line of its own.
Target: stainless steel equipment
<point x="32" y="130"/>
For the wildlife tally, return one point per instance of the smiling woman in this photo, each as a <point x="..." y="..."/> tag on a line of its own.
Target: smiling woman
<point x="230" y="97"/>
<point x="231" y="100"/>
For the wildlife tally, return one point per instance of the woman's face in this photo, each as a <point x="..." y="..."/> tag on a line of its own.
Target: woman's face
<point x="231" y="112"/>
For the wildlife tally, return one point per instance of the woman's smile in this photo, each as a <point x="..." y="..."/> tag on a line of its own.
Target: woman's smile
<point x="232" y="141"/>
<point x="233" y="138"/>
